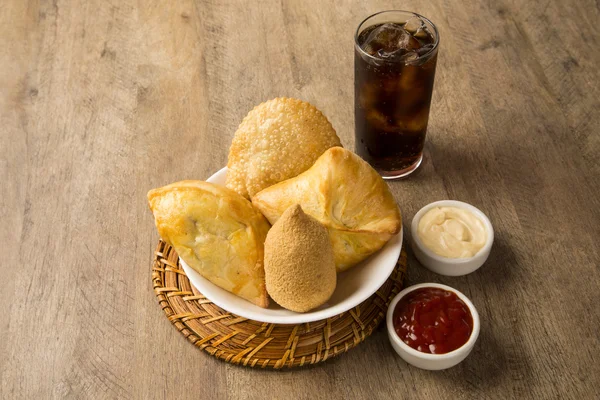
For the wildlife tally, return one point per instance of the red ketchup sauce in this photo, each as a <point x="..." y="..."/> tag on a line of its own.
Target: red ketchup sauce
<point x="433" y="320"/>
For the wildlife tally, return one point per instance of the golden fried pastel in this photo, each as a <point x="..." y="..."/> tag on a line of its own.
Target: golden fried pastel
<point x="277" y="140"/>
<point x="345" y="194"/>
<point x="215" y="231"/>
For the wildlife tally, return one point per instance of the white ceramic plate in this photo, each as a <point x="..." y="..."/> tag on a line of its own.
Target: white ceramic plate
<point x="353" y="286"/>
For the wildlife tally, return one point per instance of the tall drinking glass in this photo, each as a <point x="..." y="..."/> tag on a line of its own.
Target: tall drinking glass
<point x="394" y="69"/>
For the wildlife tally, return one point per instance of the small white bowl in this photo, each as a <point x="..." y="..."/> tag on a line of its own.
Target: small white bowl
<point x="428" y="361"/>
<point x="444" y="265"/>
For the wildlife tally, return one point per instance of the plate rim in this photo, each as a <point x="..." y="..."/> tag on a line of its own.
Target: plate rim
<point x="296" y="318"/>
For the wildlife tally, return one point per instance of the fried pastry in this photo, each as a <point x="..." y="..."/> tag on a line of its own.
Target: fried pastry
<point x="277" y="140"/>
<point x="299" y="262"/>
<point x="345" y="194"/>
<point x="216" y="232"/>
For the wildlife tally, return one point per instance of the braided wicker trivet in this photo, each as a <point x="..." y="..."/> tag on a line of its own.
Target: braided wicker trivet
<point x="251" y="343"/>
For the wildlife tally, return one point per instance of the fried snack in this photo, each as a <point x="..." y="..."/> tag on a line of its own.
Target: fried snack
<point x="215" y="231"/>
<point x="299" y="265"/>
<point x="277" y="140"/>
<point x="345" y="194"/>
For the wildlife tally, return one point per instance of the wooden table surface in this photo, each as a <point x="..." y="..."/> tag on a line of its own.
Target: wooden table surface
<point x="101" y="101"/>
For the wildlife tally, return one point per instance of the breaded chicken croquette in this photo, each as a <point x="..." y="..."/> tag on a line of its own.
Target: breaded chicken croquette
<point x="299" y="268"/>
<point x="277" y="140"/>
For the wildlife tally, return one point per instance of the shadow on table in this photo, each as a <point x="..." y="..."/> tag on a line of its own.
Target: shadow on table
<point x="495" y="357"/>
<point x="499" y="269"/>
<point x="487" y="367"/>
<point x="499" y="353"/>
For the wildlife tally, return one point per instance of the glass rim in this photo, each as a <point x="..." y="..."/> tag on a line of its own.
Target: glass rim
<point x="364" y="53"/>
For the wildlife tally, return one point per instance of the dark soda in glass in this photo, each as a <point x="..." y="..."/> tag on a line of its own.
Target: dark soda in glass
<point x="394" y="70"/>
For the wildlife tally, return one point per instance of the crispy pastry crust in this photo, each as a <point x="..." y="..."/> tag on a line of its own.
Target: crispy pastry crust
<point x="277" y="140"/>
<point x="215" y="231"/>
<point x="345" y="194"/>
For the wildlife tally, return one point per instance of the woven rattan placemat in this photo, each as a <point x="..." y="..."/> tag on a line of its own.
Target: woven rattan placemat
<point x="256" y="344"/>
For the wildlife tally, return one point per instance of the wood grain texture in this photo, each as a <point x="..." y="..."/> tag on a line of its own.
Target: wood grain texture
<point x="101" y="101"/>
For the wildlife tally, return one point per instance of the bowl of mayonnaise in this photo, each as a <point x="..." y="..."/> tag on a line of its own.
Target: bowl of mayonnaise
<point x="451" y="237"/>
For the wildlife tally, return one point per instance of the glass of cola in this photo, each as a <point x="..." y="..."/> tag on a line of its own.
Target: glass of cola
<point x="394" y="67"/>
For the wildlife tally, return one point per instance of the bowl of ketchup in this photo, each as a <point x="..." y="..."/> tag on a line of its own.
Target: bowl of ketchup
<point x="432" y="326"/>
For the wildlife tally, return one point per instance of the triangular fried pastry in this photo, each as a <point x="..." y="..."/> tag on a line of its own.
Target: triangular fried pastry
<point x="215" y="231"/>
<point x="345" y="194"/>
